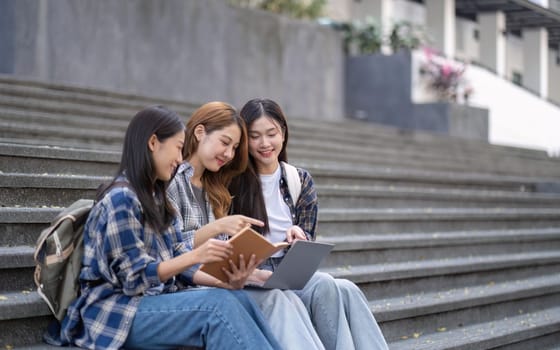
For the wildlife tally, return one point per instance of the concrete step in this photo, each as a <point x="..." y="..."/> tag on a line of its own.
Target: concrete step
<point x="331" y="196"/>
<point x="369" y="249"/>
<point x="329" y="173"/>
<point x="23" y="189"/>
<point x="337" y="222"/>
<point x="366" y="133"/>
<point x="304" y="145"/>
<point x="495" y="334"/>
<point x="61" y="135"/>
<point x="413" y="305"/>
<point x="404" y="321"/>
<point x="36" y="190"/>
<point x="409" y="270"/>
<point x="26" y="116"/>
<point x="93" y="98"/>
<point x="96" y="133"/>
<point x="349" y="221"/>
<point x="41" y="159"/>
<point x="22" y="158"/>
<point x="27" y="305"/>
<point x="347" y="130"/>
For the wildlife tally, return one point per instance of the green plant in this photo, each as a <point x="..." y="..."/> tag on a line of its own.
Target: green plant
<point x="310" y="9"/>
<point x="360" y="37"/>
<point x="405" y="35"/>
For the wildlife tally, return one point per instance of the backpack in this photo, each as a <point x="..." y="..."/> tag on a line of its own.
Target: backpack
<point x="58" y="257"/>
<point x="59" y="251"/>
<point x="294" y="182"/>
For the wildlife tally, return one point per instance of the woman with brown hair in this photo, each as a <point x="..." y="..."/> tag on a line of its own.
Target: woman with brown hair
<point x="215" y="151"/>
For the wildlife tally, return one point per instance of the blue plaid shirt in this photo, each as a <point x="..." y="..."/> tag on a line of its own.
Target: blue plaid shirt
<point x="121" y="256"/>
<point x="304" y="211"/>
<point x="190" y="214"/>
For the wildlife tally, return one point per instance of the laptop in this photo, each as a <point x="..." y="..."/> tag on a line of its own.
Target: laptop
<point x="298" y="265"/>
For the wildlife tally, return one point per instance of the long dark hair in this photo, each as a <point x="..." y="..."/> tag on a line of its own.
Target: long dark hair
<point x="246" y="188"/>
<point x="137" y="163"/>
<point x="216" y="116"/>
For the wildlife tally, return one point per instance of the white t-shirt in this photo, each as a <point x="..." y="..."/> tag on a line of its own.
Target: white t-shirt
<point x="279" y="216"/>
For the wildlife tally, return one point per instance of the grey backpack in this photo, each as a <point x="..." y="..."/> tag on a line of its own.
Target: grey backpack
<point x="58" y="257"/>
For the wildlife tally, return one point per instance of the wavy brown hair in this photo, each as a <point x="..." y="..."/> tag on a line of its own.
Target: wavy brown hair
<point x="216" y="116"/>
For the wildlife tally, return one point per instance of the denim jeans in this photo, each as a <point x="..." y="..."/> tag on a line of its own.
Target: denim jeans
<point x="288" y="318"/>
<point x="341" y="314"/>
<point x="339" y="311"/>
<point x="206" y="317"/>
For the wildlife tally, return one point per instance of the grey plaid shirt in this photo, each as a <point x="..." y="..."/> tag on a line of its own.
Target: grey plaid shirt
<point x="191" y="216"/>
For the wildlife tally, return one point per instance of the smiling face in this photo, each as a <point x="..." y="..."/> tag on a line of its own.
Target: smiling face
<point x="215" y="149"/>
<point x="166" y="154"/>
<point x="265" y="143"/>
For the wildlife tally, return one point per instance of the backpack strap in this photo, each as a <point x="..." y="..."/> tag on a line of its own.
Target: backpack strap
<point x="294" y="182"/>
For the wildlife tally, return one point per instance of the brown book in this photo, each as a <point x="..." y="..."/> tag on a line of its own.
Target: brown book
<point x="246" y="242"/>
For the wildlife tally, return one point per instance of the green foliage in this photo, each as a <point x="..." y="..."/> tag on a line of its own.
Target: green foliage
<point x="363" y="37"/>
<point x="367" y="38"/>
<point x="310" y="9"/>
<point x="406" y="35"/>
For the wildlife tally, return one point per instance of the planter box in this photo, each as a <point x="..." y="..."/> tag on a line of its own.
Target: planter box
<point x="378" y="89"/>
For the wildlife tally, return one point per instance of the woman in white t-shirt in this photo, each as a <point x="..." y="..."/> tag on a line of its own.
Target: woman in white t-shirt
<point x="338" y="309"/>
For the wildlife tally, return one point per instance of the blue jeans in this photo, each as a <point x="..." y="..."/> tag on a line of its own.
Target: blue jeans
<point x="344" y="321"/>
<point x="287" y="317"/>
<point x="206" y="317"/>
<point x="339" y="311"/>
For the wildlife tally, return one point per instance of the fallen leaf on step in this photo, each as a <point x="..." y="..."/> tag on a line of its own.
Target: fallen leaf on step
<point x="416" y="335"/>
<point x="2" y="297"/>
<point x="442" y="329"/>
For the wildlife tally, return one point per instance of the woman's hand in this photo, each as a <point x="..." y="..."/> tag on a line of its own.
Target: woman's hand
<point x="259" y="277"/>
<point x="232" y="224"/>
<point x="295" y="233"/>
<point x="238" y="275"/>
<point x="213" y="250"/>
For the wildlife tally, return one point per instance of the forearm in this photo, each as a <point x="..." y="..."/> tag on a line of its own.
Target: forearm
<point x="203" y="279"/>
<point x="206" y="232"/>
<point x="169" y="268"/>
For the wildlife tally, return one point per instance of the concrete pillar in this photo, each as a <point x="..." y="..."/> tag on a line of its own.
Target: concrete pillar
<point x="492" y="27"/>
<point x="440" y="23"/>
<point x="535" y="60"/>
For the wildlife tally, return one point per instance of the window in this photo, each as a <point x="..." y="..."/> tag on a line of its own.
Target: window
<point x="517" y="78"/>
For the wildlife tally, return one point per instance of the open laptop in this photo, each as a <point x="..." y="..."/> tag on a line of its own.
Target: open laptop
<point x="298" y="265"/>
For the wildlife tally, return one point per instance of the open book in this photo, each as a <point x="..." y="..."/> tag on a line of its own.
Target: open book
<point x="246" y="242"/>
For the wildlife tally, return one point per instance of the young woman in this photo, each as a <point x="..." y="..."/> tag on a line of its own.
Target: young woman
<point x="215" y="151"/>
<point x="337" y="307"/>
<point x="136" y="266"/>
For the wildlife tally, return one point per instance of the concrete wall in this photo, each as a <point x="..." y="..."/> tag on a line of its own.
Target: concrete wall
<point x="182" y="49"/>
<point x="517" y="117"/>
<point x="467" y="46"/>
<point x="514" y="56"/>
<point x="554" y="77"/>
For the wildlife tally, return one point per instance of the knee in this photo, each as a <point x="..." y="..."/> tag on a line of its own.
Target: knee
<point x="347" y="287"/>
<point x="324" y="286"/>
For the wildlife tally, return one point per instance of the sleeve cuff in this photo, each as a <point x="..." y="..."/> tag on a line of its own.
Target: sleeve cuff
<point x="188" y="274"/>
<point x="151" y="274"/>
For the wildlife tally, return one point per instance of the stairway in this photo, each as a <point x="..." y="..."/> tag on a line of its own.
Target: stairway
<point x="455" y="243"/>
